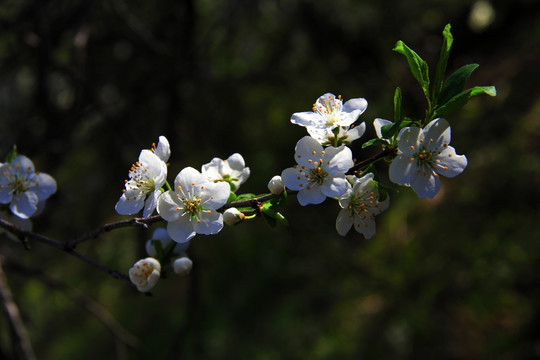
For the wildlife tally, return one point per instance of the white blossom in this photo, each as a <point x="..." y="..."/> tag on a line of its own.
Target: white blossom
<point x="233" y="216"/>
<point x="23" y="188"/>
<point x="360" y="204"/>
<point x="182" y="266"/>
<point x="276" y="185"/>
<point x="146" y="177"/>
<point x="160" y="237"/>
<point x="190" y="208"/>
<point x="330" y="112"/>
<point x="145" y="274"/>
<point x="320" y="172"/>
<point x="424" y="154"/>
<point x="233" y="170"/>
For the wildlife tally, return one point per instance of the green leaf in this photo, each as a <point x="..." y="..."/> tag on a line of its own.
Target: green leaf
<point x="281" y="219"/>
<point x="458" y="101"/>
<point x="397" y="105"/>
<point x="388" y="131"/>
<point x="418" y="66"/>
<point x="383" y="194"/>
<point x="441" y="65"/>
<point x="280" y="200"/>
<point x="270" y="216"/>
<point x="455" y="83"/>
<point x="376" y="141"/>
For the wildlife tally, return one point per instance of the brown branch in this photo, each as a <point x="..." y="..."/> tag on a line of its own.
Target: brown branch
<point x="93" y="307"/>
<point x="61" y="246"/>
<point x="21" y="337"/>
<point x="143" y="222"/>
<point x="387" y="151"/>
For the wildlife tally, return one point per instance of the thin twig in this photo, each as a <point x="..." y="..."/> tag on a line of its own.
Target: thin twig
<point x="61" y="246"/>
<point x="387" y="151"/>
<point x="92" y="306"/>
<point x="21" y="337"/>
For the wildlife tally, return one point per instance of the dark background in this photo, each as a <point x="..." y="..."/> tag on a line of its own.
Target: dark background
<point x="85" y="85"/>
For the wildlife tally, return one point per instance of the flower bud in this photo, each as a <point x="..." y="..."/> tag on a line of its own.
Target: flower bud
<point x="276" y="185"/>
<point x="233" y="216"/>
<point x="182" y="266"/>
<point x="145" y="274"/>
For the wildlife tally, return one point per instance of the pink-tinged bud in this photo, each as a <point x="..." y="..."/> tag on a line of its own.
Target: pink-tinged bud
<point x="182" y="266"/>
<point x="145" y="274"/>
<point x="233" y="216"/>
<point x="276" y="185"/>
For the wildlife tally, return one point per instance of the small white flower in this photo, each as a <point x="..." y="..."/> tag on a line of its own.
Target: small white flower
<point x="22" y="188"/>
<point x="233" y="216"/>
<point x="320" y="172"/>
<point x="233" y="170"/>
<point x="145" y="274"/>
<point x="191" y="207"/>
<point x="182" y="266"/>
<point x="330" y="112"/>
<point x="146" y="178"/>
<point x="162" y="236"/>
<point x="360" y="203"/>
<point x="424" y="154"/>
<point x="276" y="185"/>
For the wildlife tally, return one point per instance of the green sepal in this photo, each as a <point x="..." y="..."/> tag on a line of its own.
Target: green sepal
<point x="458" y="101"/>
<point x="272" y="216"/>
<point x="383" y="194"/>
<point x="441" y="65"/>
<point x="375" y="141"/>
<point x="418" y="66"/>
<point x="156" y="244"/>
<point x="455" y="83"/>
<point x="12" y="154"/>
<point x="397" y="105"/>
<point x="232" y="197"/>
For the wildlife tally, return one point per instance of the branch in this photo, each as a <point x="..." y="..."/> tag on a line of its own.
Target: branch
<point x="21" y="338"/>
<point x="61" y="246"/>
<point x="387" y="151"/>
<point x="143" y="222"/>
<point x="92" y="306"/>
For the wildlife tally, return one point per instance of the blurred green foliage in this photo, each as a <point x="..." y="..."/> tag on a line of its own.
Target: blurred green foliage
<point x="84" y="85"/>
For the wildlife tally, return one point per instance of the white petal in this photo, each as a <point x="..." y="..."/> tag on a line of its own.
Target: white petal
<point x="214" y="195"/>
<point x="43" y="185"/>
<point x="313" y="195"/>
<point x="402" y="169"/>
<point x="437" y="134"/>
<point x="306" y="118"/>
<point x="189" y="181"/>
<point x="356" y="132"/>
<point x="151" y="164"/>
<point x="24" y="204"/>
<point x="23" y="162"/>
<point x="169" y="207"/>
<point x="294" y="179"/>
<point x="182" y="230"/>
<point x="408" y="140"/>
<point x="449" y="164"/>
<point x="358" y="104"/>
<point x="131" y="205"/>
<point x="211" y="171"/>
<point x="365" y="225"/>
<point x="334" y="185"/>
<point x="308" y="151"/>
<point x="151" y="203"/>
<point x="378" y="124"/>
<point x="236" y="162"/>
<point x="211" y="223"/>
<point x="426" y="184"/>
<point x="337" y="160"/>
<point x="345" y="199"/>
<point x="344" y="222"/>
<point x="163" y="149"/>
<point x="6" y="194"/>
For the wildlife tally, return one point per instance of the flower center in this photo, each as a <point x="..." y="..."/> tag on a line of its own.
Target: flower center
<point x="19" y="185"/>
<point x="192" y="207"/>
<point x="317" y="175"/>
<point x="329" y="109"/>
<point x="362" y="203"/>
<point x="140" y="178"/>
<point x="424" y="158"/>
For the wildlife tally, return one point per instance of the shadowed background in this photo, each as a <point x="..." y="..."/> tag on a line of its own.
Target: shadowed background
<point x="84" y="86"/>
